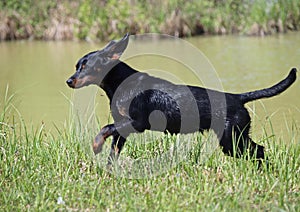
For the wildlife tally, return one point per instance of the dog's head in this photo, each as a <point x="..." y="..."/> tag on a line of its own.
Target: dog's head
<point x="92" y="68"/>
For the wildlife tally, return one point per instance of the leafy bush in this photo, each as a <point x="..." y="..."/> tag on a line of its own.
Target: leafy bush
<point x="104" y="20"/>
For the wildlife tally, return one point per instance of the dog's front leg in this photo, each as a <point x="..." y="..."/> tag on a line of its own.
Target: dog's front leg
<point x="100" y="139"/>
<point x="124" y="126"/>
<point x="116" y="147"/>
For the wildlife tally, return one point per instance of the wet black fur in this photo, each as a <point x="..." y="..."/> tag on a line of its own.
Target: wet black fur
<point x="136" y="96"/>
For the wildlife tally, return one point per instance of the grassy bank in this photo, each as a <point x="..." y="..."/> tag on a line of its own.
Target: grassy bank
<point x="103" y="20"/>
<point x="43" y="171"/>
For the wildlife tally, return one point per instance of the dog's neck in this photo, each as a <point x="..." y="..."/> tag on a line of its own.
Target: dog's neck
<point x="115" y="77"/>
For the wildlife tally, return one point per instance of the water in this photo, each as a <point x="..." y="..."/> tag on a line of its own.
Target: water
<point x="36" y="72"/>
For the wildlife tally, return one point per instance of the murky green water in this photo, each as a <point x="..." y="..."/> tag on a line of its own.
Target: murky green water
<point x="36" y="72"/>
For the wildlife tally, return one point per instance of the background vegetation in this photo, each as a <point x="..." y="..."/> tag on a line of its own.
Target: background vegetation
<point x="106" y="19"/>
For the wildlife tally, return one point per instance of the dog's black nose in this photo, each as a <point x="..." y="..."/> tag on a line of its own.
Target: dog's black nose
<point x="69" y="81"/>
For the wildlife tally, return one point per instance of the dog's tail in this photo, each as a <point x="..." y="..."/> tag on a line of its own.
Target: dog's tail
<point x="272" y="91"/>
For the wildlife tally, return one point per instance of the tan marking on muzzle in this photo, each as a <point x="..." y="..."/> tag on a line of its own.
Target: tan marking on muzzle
<point x="87" y="80"/>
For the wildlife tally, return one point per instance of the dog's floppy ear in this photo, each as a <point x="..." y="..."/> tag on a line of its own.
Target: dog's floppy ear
<point x="115" y="49"/>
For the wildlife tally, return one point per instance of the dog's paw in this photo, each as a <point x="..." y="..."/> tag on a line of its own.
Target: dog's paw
<point x="98" y="143"/>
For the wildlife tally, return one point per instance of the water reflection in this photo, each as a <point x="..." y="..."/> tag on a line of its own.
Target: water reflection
<point x="36" y="72"/>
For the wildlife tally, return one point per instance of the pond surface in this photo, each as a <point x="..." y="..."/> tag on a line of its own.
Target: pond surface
<point x="36" y="73"/>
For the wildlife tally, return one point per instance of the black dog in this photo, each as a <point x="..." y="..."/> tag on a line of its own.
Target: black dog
<point x="139" y="102"/>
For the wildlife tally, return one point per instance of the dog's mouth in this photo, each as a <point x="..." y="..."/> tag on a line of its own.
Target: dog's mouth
<point x="78" y="83"/>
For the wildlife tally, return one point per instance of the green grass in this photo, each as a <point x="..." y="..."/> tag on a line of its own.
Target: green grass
<point x="44" y="171"/>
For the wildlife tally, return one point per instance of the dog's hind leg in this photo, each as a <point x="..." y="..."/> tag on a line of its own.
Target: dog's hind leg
<point x="244" y="142"/>
<point x="235" y="140"/>
<point x="226" y="140"/>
